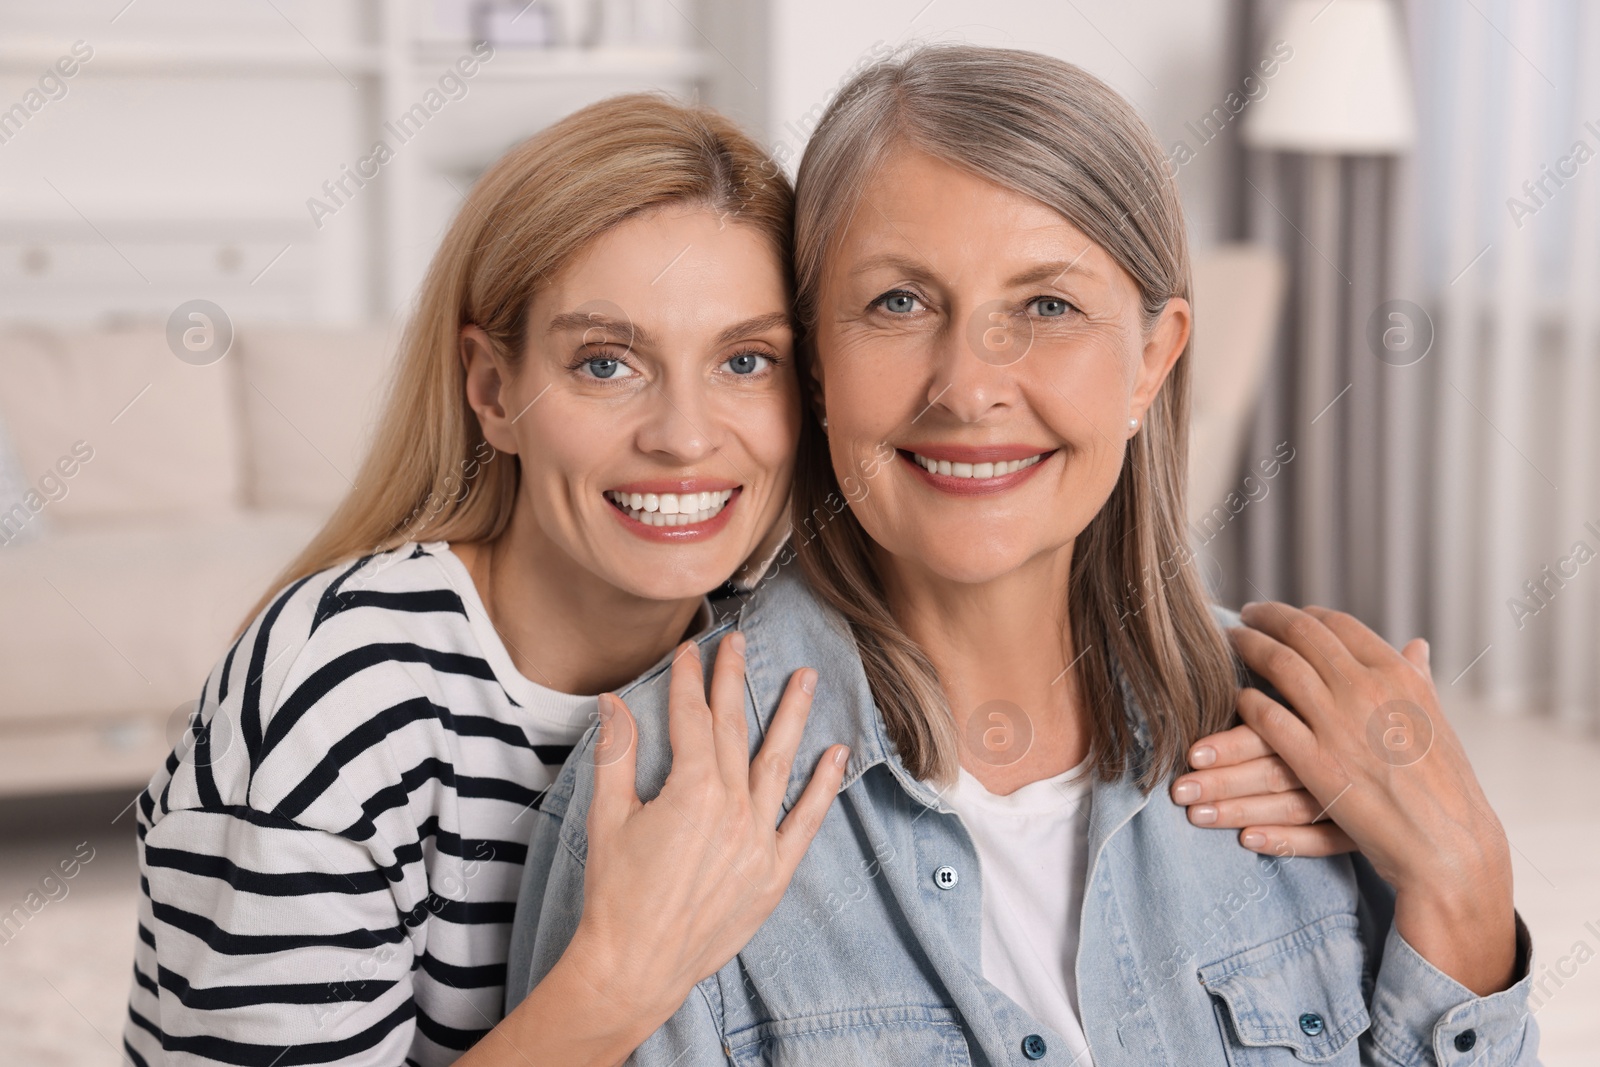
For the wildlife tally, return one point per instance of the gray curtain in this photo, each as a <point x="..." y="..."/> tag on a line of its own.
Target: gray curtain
<point x="1438" y="363"/>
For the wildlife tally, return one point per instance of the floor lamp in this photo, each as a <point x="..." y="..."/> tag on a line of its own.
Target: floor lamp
<point x="1343" y="90"/>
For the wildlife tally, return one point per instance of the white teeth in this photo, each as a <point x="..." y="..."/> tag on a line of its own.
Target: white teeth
<point x="975" y="470"/>
<point x="671" y="509"/>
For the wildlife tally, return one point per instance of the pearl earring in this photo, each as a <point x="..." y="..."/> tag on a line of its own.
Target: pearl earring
<point x="1133" y="423"/>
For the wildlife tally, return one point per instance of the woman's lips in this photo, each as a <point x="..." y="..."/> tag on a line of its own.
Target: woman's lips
<point x="673" y="516"/>
<point x="975" y="471"/>
<point x="974" y="453"/>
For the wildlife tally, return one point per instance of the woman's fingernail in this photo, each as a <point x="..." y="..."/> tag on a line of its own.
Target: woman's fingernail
<point x="604" y="707"/>
<point x="1186" y="792"/>
<point x="1204" y="814"/>
<point x="840" y="755"/>
<point x="691" y="648"/>
<point x="808" y="681"/>
<point x="1204" y="756"/>
<point x="1253" y="840"/>
<point x="736" y="642"/>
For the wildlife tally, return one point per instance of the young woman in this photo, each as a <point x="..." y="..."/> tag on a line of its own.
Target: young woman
<point x="992" y="269"/>
<point x="592" y="425"/>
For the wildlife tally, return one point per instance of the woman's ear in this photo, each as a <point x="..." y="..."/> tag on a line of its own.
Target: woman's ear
<point x="1161" y="351"/>
<point x="487" y="378"/>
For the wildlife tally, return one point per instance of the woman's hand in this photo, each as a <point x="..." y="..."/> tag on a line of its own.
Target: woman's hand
<point x="1239" y="783"/>
<point x="1374" y="750"/>
<point x="673" y="889"/>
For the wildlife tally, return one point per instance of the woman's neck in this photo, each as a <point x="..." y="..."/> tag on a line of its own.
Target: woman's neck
<point x="1001" y="640"/>
<point x="563" y="626"/>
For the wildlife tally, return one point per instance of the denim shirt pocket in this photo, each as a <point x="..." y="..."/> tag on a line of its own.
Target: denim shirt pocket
<point x="906" y="1036"/>
<point x="1300" y="998"/>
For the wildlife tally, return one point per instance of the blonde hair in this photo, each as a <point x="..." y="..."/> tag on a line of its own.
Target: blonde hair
<point x="1053" y="132"/>
<point x="526" y="219"/>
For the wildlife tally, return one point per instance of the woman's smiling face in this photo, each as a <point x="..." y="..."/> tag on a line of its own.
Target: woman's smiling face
<point x="656" y="408"/>
<point x="997" y="350"/>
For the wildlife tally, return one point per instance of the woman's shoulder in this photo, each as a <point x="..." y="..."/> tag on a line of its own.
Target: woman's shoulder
<point x="308" y="673"/>
<point x="786" y="627"/>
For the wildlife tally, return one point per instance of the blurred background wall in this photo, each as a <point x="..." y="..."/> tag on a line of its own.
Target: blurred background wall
<point x="206" y="260"/>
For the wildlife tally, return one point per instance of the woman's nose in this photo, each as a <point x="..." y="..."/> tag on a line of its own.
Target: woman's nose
<point x="678" y="426"/>
<point x="973" y="365"/>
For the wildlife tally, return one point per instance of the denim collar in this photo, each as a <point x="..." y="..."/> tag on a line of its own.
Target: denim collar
<point x="787" y="627"/>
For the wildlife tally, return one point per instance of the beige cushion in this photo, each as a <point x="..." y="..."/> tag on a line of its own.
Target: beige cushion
<point x="311" y="396"/>
<point x="161" y="433"/>
<point x="114" y="619"/>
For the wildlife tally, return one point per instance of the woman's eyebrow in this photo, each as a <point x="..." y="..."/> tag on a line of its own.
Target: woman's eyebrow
<point x="757" y="324"/>
<point x="1051" y="272"/>
<point x="899" y="264"/>
<point x="594" y="320"/>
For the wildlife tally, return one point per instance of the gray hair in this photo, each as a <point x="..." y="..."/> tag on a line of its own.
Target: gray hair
<point x="1050" y="131"/>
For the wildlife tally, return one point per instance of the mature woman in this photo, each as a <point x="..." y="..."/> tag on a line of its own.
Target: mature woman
<point x="592" y="425"/>
<point x="992" y="270"/>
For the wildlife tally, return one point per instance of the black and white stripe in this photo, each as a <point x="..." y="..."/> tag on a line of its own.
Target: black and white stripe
<point x="329" y="873"/>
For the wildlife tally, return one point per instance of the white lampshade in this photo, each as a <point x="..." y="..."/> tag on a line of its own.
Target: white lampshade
<point x="1346" y="88"/>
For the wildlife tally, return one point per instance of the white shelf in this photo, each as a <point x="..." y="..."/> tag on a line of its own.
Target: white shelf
<point x="511" y="94"/>
<point x="427" y="60"/>
<point x="568" y="64"/>
<point x="223" y="57"/>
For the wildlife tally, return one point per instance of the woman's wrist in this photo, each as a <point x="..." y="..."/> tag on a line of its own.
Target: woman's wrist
<point x="1467" y="931"/>
<point x="614" y="981"/>
<point x="586" y="1011"/>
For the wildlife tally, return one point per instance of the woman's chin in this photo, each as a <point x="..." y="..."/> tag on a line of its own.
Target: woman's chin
<point x="666" y="583"/>
<point x="969" y="562"/>
<point x="670" y="572"/>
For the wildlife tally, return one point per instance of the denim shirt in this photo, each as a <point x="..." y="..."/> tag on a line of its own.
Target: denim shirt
<point x="1192" y="950"/>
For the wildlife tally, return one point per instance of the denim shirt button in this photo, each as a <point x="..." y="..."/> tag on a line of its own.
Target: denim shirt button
<point x="1033" y="1047"/>
<point x="1311" y="1024"/>
<point x="1465" y="1040"/>
<point x="946" y="877"/>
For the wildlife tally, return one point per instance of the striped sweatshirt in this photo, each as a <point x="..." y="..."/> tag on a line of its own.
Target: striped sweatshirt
<point x="329" y="861"/>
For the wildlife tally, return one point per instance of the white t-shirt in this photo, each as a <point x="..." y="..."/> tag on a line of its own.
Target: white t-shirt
<point x="1033" y="847"/>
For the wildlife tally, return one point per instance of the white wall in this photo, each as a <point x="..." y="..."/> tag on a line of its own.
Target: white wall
<point x="180" y="160"/>
<point x="145" y="186"/>
<point x="1169" y="57"/>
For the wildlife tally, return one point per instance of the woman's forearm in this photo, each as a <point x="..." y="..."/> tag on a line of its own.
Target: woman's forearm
<point x="574" y="1018"/>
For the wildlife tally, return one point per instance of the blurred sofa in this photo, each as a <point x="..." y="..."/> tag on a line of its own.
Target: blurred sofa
<point x="190" y="487"/>
<point x="156" y="501"/>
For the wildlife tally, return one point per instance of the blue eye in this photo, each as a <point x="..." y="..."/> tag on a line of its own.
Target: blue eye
<point x="606" y="368"/>
<point x="1050" y="306"/>
<point x="898" y="302"/>
<point x="747" y="363"/>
